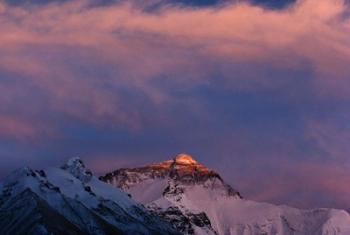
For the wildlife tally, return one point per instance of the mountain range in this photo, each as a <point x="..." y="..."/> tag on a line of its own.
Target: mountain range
<point x="177" y="196"/>
<point x="198" y="201"/>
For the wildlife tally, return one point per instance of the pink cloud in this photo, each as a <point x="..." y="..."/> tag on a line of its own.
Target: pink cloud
<point x="179" y="44"/>
<point x="237" y="32"/>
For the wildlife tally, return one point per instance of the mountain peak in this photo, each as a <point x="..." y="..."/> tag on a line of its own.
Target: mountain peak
<point x="182" y="164"/>
<point x="182" y="170"/>
<point x="185" y="159"/>
<point x="76" y="167"/>
<point x="75" y="162"/>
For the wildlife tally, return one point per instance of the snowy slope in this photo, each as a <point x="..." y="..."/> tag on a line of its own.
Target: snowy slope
<point x="79" y="202"/>
<point x="199" y="202"/>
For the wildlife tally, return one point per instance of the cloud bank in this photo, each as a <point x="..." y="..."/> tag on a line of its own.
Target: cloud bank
<point x="238" y="78"/>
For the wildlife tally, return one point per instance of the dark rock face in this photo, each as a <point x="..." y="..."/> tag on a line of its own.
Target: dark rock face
<point x="184" y="223"/>
<point x="200" y="219"/>
<point x="178" y="219"/>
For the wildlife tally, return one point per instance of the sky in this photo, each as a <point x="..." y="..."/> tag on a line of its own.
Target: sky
<point x="256" y="90"/>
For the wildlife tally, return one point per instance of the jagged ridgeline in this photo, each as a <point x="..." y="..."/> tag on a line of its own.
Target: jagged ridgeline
<point x="70" y="200"/>
<point x="198" y="201"/>
<point x="179" y="196"/>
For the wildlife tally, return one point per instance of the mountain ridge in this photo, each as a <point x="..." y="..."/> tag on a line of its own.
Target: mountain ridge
<point x="198" y="201"/>
<point x="176" y="196"/>
<point x="182" y="169"/>
<point x="30" y="199"/>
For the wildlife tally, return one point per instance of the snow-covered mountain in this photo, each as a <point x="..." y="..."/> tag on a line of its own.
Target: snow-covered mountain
<point x="70" y="200"/>
<point x="197" y="201"/>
